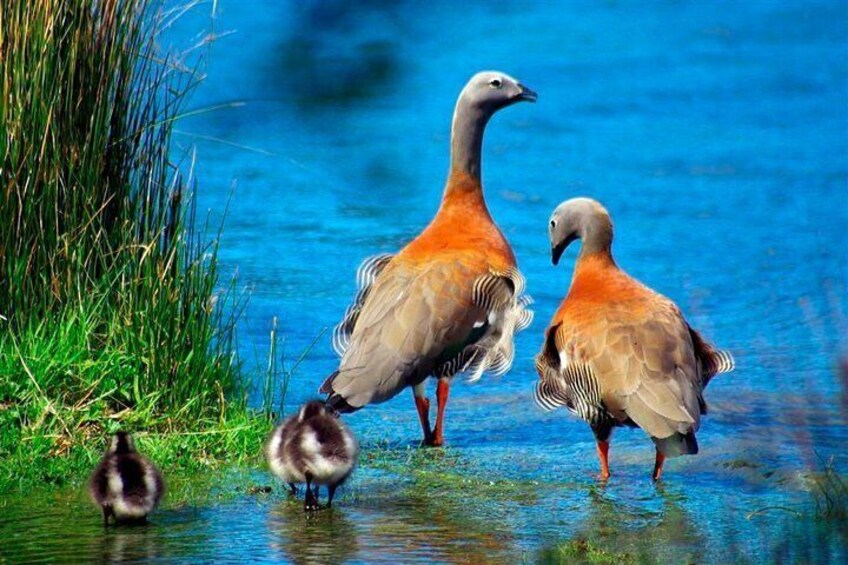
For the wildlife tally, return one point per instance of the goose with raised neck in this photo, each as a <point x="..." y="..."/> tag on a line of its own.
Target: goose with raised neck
<point x="451" y="300"/>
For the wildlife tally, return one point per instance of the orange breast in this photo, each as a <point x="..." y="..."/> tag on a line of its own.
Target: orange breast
<point x="600" y="288"/>
<point x="463" y="229"/>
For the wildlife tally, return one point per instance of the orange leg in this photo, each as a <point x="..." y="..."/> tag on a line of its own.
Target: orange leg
<point x="422" y="404"/>
<point x="603" y="455"/>
<point x="658" y="466"/>
<point x="442" y="393"/>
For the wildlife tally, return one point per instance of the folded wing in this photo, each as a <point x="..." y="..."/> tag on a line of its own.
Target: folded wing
<point x="409" y="322"/>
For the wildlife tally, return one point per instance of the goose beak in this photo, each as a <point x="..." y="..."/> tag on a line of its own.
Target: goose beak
<point x="525" y="94"/>
<point x="557" y="251"/>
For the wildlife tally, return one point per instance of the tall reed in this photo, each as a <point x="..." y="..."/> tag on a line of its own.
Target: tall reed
<point x="107" y="279"/>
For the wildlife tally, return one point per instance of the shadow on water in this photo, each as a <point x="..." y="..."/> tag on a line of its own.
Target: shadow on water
<point x="616" y="531"/>
<point x="336" y="54"/>
<point x="430" y="526"/>
<point x="409" y="525"/>
<point x="430" y="514"/>
<point x="423" y="505"/>
<point x="59" y="526"/>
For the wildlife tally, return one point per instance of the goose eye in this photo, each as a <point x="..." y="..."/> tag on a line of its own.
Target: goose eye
<point x="495" y="83"/>
<point x="553" y="224"/>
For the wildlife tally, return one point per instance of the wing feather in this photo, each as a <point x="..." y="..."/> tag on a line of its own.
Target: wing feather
<point x="366" y="274"/>
<point x="441" y="319"/>
<point x="507" y="313"/>
<point x="551" y="391"/>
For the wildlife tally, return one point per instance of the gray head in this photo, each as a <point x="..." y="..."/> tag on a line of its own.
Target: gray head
<point x="580" y="218"/>
<point x="490" y="91"/>
<point x="486" y="93"/>
<point x="122" y="443"/>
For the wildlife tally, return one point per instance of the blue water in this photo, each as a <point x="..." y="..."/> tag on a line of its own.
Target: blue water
<point x="716" y="133"/>
<point x="717" y="138"/>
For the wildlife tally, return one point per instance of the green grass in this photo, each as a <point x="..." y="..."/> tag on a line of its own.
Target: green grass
<point x="110" y="310"/>
<point x="582" y="551"/>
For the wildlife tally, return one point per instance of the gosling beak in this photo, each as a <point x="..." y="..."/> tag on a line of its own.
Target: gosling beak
<point x="525" y="94"/>
<point x="557" y="251"/>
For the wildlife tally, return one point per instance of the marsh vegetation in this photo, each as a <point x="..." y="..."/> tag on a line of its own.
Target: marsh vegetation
<point x="112" y="314"/>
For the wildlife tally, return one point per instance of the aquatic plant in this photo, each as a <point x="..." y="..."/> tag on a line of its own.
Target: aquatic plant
<point x="581" y="551"/>
<point x="831" y="494"/>
<point x="111" y="312"/>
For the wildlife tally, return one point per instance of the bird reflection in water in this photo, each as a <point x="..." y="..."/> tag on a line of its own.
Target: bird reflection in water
<point x="326" y="537"/>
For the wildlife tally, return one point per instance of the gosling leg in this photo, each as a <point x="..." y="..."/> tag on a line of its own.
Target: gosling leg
<point x="331" y="490"/>
<point x="311" y="502"/>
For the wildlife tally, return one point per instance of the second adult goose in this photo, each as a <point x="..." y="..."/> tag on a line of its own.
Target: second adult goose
<point x="616" y="352"/>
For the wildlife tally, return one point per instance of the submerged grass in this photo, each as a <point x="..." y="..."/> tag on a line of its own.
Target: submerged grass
<point x="582" y="551"/>
<point x="830" y="491"/>
<point x="110" y="315"/>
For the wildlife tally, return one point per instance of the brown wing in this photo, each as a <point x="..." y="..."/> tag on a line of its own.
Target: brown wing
<point x="410" y="318"/>
<point x="366" y="274"/>
<point x="645" y="365"/>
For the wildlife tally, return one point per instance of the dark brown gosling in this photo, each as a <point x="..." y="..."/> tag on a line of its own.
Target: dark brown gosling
<point x="125" y="484"/>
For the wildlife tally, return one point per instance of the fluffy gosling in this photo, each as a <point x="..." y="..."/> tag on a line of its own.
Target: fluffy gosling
<point x="312" y="447"/>
<point x="125" y="484"/>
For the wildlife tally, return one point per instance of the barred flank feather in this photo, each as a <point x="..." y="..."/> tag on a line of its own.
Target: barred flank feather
<point x="456" y="365"/>
<point x="548" y="396"/>
<point x="724" y="362"/>
<point x="368" y="271"/>
<point x="585" y="392"/>
<point x="498" y="294"/>
<point x="492" y="292"/>
<point x="525" y="316"/>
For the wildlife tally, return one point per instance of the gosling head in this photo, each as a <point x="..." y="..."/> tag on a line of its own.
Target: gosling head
<point x="313" y="409"/>
<point x="489" y="91"/>
<point x="580" y="218"/>
<point x="122" y="443"/>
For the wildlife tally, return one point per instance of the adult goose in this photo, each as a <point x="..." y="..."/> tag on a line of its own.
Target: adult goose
<point x="617" y="353"/>
<point x="451" y="300"/>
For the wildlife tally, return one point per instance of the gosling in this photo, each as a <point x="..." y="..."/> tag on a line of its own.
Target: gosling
<point x="312" y="447"/>
<point x="125" y="484"/>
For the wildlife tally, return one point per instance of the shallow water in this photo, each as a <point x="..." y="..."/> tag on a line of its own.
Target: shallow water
<point x="716" y="135"/>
